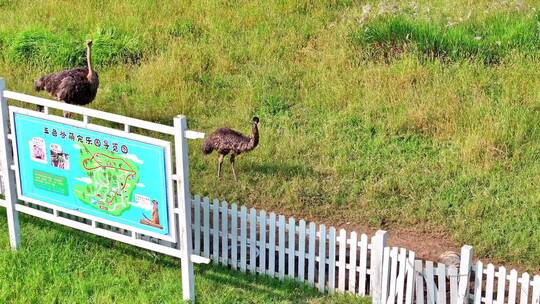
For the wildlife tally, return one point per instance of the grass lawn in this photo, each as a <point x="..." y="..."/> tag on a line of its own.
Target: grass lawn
<point x="60" y="265"/>
<point x="398" y="114"/>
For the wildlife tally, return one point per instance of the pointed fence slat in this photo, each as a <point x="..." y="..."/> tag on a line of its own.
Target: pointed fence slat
<point x="224" y="233"/>
<point x="301" y="250"/>
<point x="536" y="290"/>
<point x="342" y="259"/>
<point x="352" y="262"/>
<point x="252" y="240"/>
<point x="441" y="280"/>
<point x="525" y="282"/>
<point x="393" y="275"/>
<point x="331" y="259"/>
<point x="234" y="236"/>
<point x="385" y="275"/>
<point x="262" y="247"/>
<point x="363" y="265"/>
<point x="282" y="246"/>
<point x="512" y="287"/>
<point x="478" y="282"/>
<point x="206" y="233"/>
<point x="311" y="254"/>
<point x="490" y="278"/>
<point x="215" y="231"/>
<point x="243" y="238"/>
<point x="465" y="265"/>
<point x="322" y="257"/>
<point x="400" y="286"/>
<point x="409" y="292"/>
<point x="430" y="283"/>
<point x="418" y="268"/>
<point x="376" y="265"/>
<point x="453" y="277"/>
<point x="501" y="285"/>
<point x="197" y="225"/>
<point x="272" y="244"/>
<point x="292" y="250"/>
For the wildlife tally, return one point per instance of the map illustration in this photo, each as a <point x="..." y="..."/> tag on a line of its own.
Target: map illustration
<point x="111" y="177"/>
<point x="113" y="180"/>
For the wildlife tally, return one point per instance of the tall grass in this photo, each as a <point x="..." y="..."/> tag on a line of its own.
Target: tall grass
<point x="487" y="40"/>
<point x="42" y="48"/>
<point x="37" y="46"/>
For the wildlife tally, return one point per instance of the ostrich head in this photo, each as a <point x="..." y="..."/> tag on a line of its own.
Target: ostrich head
<point x="255" y="120"/>
<point x="89" y="43"/>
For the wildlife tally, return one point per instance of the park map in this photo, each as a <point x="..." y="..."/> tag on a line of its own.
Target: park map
<point x="113" y="180"/>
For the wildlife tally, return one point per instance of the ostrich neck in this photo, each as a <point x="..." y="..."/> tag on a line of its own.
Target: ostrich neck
<point x="89" y="61"/>
<point x="254" y="140"/>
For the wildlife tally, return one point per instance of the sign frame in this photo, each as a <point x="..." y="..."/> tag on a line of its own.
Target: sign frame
<point x="172" y="233"/>
<point x="180" y="246"/>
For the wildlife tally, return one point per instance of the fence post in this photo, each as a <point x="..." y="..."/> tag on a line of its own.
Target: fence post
<point x="8" y="176"/>
<point x="184" y="206"/>
<point x="464" y="274"/>
<point x="378" y="242"/>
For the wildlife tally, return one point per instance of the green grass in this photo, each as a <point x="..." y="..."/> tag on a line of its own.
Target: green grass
<point x="38" y="47"/>
<point x="60" y="265"/>
<point x="488" y="40"/>
<point x="346" y="138"/>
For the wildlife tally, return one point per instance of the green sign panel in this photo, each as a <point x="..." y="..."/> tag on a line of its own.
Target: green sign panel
<point x="106" y="175"/>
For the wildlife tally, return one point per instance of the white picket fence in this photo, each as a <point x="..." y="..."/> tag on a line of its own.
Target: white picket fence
<point x="509" y="285"/>
<point x="269" y="244"/>
<point x="335" y="260"/>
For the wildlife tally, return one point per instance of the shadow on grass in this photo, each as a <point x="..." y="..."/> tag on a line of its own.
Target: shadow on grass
<point x="285" y="170"/>
<point x="265" y="287"/>
<point x="61" y="233"/>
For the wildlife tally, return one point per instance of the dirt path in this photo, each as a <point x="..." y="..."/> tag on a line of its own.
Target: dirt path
<point x="427" y="246"/>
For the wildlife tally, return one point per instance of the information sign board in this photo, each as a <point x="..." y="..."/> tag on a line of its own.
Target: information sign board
<point x="120" y="178"/>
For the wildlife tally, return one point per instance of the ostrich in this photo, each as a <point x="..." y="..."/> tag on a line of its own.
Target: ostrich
<point x="77" y="86"/>
<point x="225" y="141"/>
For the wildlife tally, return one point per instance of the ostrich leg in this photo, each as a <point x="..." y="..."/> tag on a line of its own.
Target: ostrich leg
<point x="232" y="165"/>
<point x="220" y="162"/>
<point x="67" y="114"/>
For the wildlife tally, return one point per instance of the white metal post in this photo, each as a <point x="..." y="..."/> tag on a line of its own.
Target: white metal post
<point x="464" y="274"/>
<point x="184" y="206"/>
<point x="377" y="249"/>
<point x="8" y="175"/>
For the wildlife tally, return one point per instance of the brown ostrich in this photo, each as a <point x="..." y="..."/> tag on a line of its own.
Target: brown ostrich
<point x="225" y="141"/>
<point x="77" y="86"/>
